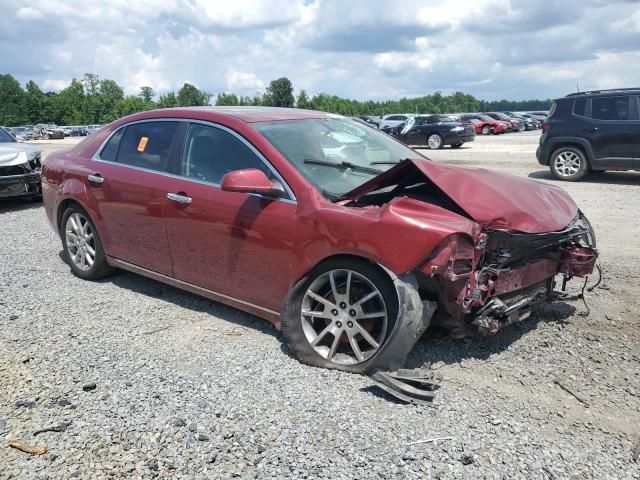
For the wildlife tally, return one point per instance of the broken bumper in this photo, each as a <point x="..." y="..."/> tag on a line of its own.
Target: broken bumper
<point x="20" y="185"/>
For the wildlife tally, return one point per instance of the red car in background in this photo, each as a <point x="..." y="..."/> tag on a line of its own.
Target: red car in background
<point x="341" y="236"/>
<point x="484" y="124"/>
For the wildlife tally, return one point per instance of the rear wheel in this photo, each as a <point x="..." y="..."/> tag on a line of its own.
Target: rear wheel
<point x="341" y="315"/>
<point x="434" y="141"/>
<point x="82" y="247"/>
<point x="568" y="163"/>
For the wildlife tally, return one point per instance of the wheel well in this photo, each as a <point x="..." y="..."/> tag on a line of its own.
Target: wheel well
<point x="62" y="208"/>
<point x="343" y="256"/>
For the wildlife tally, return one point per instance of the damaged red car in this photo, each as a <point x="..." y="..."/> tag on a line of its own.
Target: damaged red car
<point x="347" y="240"/>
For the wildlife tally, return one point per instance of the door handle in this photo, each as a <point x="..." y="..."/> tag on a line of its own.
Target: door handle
<point x="97" y="179"/>
<point x="590" y="130"/>
<point x="179" y="198"/>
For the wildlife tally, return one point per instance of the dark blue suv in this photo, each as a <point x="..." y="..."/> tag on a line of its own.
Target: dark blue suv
<point x="592" y="132"/>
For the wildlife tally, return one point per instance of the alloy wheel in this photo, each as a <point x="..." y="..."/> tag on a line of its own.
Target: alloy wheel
<point x="80" y="240"/>
<point x="567" y="163"/>
<point x="344" y="317"/>
<point x="434" y="141"/>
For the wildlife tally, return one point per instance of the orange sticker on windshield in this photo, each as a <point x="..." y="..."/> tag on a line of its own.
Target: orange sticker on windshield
<point x="142" y="144"/>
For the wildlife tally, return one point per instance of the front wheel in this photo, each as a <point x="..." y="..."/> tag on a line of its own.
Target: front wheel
<point x="568" y="163"/>
<point x="434" y="141"/>
<point x="486" y="130"/>
<point x="340" y="316"/>
<point x="83" y="250"/>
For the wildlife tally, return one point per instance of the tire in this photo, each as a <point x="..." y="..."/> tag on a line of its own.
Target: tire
<point x="87" y="240"/>
<point x="435" y="142"/>
<point x="486" y="130"/>
<point x="46" y="136"/>
<point x="569" y="164"/>
<point x="299" y="331"/>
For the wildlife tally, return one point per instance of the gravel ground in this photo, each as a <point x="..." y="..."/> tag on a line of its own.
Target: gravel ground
<point x="144" y="380"/>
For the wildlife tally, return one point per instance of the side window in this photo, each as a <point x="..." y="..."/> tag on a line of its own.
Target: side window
<point x="210" y="153"/>
<point x="579" y="107"/>
<point x="147" y="145"/>
<point x="111" y="148"/>
<point x="610" y="108"/>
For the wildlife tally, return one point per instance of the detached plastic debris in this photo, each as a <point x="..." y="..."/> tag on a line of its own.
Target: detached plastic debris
<point x="415" y="386"/>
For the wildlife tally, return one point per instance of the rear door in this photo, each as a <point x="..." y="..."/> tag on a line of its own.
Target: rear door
<point x="130" y="193"/>
<point x="614" y="131"/>
<point x="232" y="243"/>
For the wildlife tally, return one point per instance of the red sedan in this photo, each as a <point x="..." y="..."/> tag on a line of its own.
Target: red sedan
<point x="347" y="240"/>
<point x="484" y="124"/>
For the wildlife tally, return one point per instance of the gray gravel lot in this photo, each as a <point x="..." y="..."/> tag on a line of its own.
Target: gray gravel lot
<point x="188" y="388"/>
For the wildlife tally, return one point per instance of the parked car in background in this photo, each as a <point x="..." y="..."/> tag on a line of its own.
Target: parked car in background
<point x="516" y="125"/>
<point x="347" y="240"/>
<point x="371" y="120"/>
<point x="390" y="121"/>
<point x="91" y="129"/>
<point x="529" y="124"/>
<point x="484" y="124"/>
<point x="592" y="132"/>
<point x="537" y="122"/>
<point x="23" y="133"/>
<point x="20" y="167"/>
<point x="434" y="131"/>
<point x="49" y="132"/>
<point x="78" y="132"/>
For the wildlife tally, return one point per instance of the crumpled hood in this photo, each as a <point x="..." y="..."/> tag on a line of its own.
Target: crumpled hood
<point x="10" y="153"/>
<point x="495" y="200"/>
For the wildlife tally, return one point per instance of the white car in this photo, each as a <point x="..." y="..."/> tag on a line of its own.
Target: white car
<point x="390" y="121"/>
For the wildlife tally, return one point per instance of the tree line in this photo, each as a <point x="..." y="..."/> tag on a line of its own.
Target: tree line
<point x="92" y="100"/>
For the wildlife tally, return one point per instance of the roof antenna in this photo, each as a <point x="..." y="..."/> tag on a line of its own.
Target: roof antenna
<point x="578" y="88"/>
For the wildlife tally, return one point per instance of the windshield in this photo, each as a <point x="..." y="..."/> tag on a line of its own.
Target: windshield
<point x="486" y="118"/>
<point x="5" y="137"/>
<point x="335" y="154"/>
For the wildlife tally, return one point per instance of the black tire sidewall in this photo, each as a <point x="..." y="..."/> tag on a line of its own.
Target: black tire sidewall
<point x="100" y="267"/>
<point x="292" y="331"/>
<point x="582" y="171"/>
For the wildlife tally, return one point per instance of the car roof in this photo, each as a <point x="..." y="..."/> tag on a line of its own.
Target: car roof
<point x="604" y="93"/>
<point x="244" y="114"/>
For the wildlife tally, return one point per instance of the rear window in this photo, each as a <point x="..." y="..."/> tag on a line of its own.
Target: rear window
<point x="579" y="106"/>
<point x="610" y="108"/>
<point x="147" y="145"/>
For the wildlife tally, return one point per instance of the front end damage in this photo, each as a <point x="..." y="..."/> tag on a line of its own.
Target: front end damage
<point x="479" y="280"/>
<point x="480" y="288"/>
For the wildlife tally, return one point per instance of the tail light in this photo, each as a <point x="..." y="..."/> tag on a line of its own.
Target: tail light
<point x="545" y="126"/>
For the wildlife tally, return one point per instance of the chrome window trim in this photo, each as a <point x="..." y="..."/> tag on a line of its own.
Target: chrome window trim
<point x="292" y="198"/>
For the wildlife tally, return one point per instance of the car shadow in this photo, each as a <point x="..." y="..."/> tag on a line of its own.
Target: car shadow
<point x="17" y="204"/>
<point x="615" y="178"/>
<point x="435" y="346"/>
<point x="182" y="298"/>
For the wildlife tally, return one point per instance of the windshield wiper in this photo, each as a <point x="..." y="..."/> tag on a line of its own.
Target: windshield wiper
<point x="389" y="162"/>
<point x="343" y="165"/>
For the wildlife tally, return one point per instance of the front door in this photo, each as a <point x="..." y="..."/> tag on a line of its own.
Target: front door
<point x="131" y="195"/>
<point x="232" y="243"/>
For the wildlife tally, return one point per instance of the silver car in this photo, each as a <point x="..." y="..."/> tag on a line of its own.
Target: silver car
<point x="20" y="167"/>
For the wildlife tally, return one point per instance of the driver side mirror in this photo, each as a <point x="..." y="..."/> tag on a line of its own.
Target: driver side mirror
<point x="252" y="180"/>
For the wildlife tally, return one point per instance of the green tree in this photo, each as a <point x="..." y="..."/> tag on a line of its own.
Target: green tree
<point x="91" y="83"/>
<point x="12" y="101"/>
<point x="146" y="94"/>
<point x="131" y="104"/>
<point x="168" y="101"/>
<point x="190" y="96"/>
<point x="280" y="93"/>
<point x="303" y="100"/>
<point x="228" y="99"/>
<point x="34" y="103"/>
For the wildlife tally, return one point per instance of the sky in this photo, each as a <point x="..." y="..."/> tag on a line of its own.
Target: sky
<point x="362" y="49"/>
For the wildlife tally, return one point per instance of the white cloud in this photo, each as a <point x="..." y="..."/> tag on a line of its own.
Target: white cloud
<point x="361" y="49"/>
<point x="243" y="81"/>
<point x="28" y="13"/>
